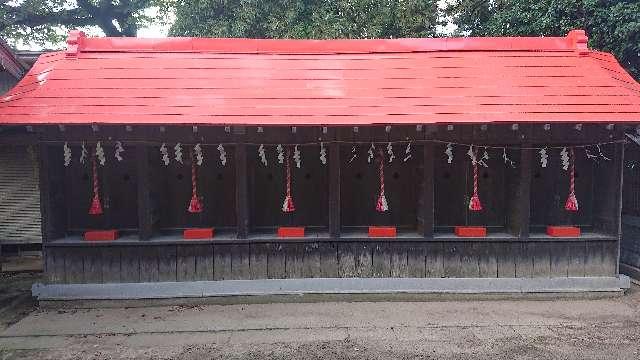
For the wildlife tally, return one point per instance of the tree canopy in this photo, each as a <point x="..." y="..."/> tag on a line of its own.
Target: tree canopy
<point x="47" y="21"/>
<point x="314" y="19"/>
<point x="612" y="26"/>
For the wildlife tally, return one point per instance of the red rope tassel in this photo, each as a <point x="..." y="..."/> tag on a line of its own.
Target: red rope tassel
<point x="96" y="206"/>
<point x="474" y="202"/>
<point x="382" y="205"/>
<point x="572" y="202"/>
<point x="195" y="206"/>
<point x="288" y="206"/>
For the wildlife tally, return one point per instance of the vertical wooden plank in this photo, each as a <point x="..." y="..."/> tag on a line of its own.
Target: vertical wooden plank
<point x="74" y="267"/>
<point x="93" y="265"/>
<point x="451" y="258"/>
<point x="469" y="264"/>
<point x="399" y="260"/>
<point x="221" y="262"/>
<point x="435" y="260"/>
<point x="55" y="265"/>
<point x="186" y="263"/>
<point x="240" y="256"/>
<point x="416" y="253"/>
<point x="428" y="203"/>
<point x="363" y="260"/>
<point x="259" y="261"/>
<point x="242" y="196"/>
<point x="145" y="211"/>
<point x="294" y="261"/>
<point x="559" y="259"/>
<point x="130" y="264"/>
<point x="312" y="260"/>
<point x="524" y="263"/>
<point x="521" y="223"/>
<point x="334" y="190"/>
<point x="110" y="265"/>
<point x="507" y="256"/>
<point x="610" y="258"/>
<point x="149" y="263"/>
<point x="346" y="260"/>
<point x="329" y="259"/>
<point x="381" y="261"/>
<point x="167" y="263"/>
<point x="487" y="259"/>
<point x="541" y="258"/>
<point x="596" y="259"/>
<point x="204" y="262"/>
<point x="576" y="258"/>
<point x="276" y="263"/>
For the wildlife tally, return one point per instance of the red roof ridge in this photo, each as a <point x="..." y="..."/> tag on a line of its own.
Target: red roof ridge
<point x="78" y="42"/>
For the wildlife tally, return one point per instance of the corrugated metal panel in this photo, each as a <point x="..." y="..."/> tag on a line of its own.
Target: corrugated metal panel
<point x="19" y="195"/>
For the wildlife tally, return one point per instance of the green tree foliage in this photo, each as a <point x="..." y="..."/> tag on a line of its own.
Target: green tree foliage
<point x="314" y="19"/>
<point x="47" y="21"/>
<point x="612" y="26"/>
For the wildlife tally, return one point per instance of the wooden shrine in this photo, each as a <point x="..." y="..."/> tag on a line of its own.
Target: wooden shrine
<point x="191" y="147"/>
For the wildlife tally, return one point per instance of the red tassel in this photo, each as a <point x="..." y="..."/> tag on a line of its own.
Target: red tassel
<point x="195" y="206"/>
<point x="572" y="201"/>
<point x="96" y="206"/>
<point x="288" y="206"/>
<point x="474" y="202"/>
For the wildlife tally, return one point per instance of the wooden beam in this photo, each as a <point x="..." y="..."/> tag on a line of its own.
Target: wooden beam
<point x="426" y="202"/>
<point x="145" y="210"/>
<point x="242" y="196"/>
<point x="334" y="190"/>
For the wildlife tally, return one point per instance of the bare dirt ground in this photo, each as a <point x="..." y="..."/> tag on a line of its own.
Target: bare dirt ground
<point x="504" y="329"/>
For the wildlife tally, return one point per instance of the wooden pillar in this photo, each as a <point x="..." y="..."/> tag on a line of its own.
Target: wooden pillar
<point x="145" y="206"/>
<point x="619" y="166"/>
<point x="242" y="196"/>
<point x="46" y="200"/>
<point x="334" y="190"/>
<point x="426" y="202"/>
<point x="522" y="205"/>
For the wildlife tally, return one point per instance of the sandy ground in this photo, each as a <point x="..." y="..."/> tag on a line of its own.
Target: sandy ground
<point x="505" y="329"/>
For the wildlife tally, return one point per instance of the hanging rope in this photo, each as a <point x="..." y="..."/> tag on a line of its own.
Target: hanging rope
<point x="288" y="206"/>
<point x="572" y="202"/>
<point x="474" y="202"/>
<point x="382" y="205"/>
<point x="96" y="206"/>
<point x="195" y="206"/>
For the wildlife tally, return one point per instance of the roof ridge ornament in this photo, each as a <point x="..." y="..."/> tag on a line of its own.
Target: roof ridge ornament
<point x="578" y="39"/>
<point x="75" y="41"/>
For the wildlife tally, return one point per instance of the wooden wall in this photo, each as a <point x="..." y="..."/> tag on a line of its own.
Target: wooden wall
<point x="188" y="262"/>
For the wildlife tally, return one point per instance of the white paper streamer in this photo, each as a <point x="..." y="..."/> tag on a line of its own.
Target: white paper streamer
<point x="589" y="155"/>
<point x="543" y="157"/>
<point x="472" y="155"/>
<point x="354" y="154"/>
<point x="506" y="158"/>
<point x="199" y="155"/>
<point x="178" y="152"/>
<point x="323" y="154"/>
<point x="485" y="156"/>
<point x="67" y="154"/>
<point x="449" y="152"/>
<point x="83" y="153"/>
<point x="223" y="155"/>
<point x="390" y="152"/>
<point x="564" y="156"/>
<point x="262" y="155"/>
<point x="165" y="154"/>
<point x="119" y="151"/>
<point x="370" y="153"/>
<point x="100" y="154"/>
<point x="280" y="151"/>
<point x="601" y="154"/>
<point x="296" y="156"/>
<point x="407" y="153"/>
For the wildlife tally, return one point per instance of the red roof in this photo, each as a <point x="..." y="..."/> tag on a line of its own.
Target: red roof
<point x="323" y="82"/>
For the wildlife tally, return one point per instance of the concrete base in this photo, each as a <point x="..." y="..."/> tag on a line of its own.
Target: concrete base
<point x="631" y="271"/>
<point x="342" y="287"/>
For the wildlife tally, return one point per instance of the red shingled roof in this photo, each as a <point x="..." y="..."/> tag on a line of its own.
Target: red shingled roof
<point x="323" y="82"/>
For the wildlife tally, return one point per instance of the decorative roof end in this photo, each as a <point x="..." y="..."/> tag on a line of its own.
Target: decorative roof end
<point x="75" y="41"/>
<point x="579" y="40"/>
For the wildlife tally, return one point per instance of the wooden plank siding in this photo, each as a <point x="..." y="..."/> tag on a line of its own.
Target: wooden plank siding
<point x="192" y="262"/>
